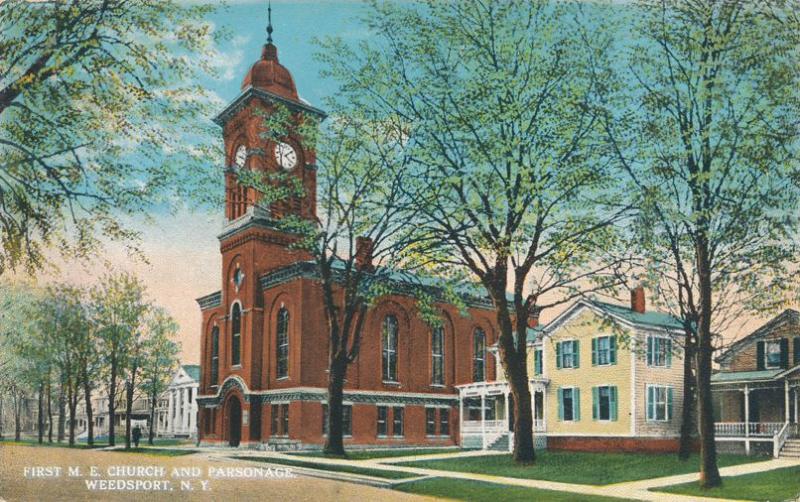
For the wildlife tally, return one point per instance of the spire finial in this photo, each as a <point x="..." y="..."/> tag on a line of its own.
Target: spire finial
<point x="269" y="23"/>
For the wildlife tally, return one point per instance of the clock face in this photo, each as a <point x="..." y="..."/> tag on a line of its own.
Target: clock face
<point x="240" y="157"/>
<point x="285" y="155"/>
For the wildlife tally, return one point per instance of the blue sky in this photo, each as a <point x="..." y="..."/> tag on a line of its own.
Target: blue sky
<point x="296" y="25"/>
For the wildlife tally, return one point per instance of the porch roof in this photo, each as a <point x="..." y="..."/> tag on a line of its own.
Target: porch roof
<point x="745" y="376"/>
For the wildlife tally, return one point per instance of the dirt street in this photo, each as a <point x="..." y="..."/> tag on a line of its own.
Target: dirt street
<point x="144" y="478"/>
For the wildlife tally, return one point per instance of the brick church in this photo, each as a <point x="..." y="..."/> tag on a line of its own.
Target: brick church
<point x="264" y="333"/>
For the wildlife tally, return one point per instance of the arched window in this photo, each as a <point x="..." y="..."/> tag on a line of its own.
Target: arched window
<point x="214" y="355"/>
<point x="236" y="335"/>
<point x="478" y="355"/>
<point x="437" y="356"/>
<point x="282" y="341"/>
<point x="390" y="349"/>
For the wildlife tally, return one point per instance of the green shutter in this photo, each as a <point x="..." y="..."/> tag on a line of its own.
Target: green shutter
<point x="577" y="351"/>
<point x="558" y="355"/>
<point x="650" y="404"/>
<point x="595" y="402"/>
<point x="594" y="351"/>
<point x="669" y="403"/>
<point x="760" y="356"/>
<point x="613" y="402"/>
<point x="612" y="344"/>
<point x="797" y="350"/>
<point x="576" y="404"/>
<point x="669" y="352"/>
<point x="560" y="400"/>
<point x="785" y="353"/>
<point x="649" y="350"/>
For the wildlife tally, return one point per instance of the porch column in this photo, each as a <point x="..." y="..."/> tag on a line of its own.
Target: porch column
<point x="796" y="391"/>
<point x="786" y="399"/>
<point x="460" y="418"/>
<point x="508" y="425"/>
<point x="170" y="422"/>
<point x="483" y="420"/>
<point x="747" y="419"/>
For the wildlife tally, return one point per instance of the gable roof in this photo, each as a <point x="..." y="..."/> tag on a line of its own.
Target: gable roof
<point x="648" y="319"/>
<point x="789" y="317"/>
<point x="657" y="321"/>
<point x="193" y="370"/>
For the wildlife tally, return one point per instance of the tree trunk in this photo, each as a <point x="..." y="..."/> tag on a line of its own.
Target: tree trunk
<point x="62" y="413"/>
<point x="49" y="412"/>
<point x="709" y="472"/>
<point x="41" y="412"/>
<point x="112" y="401"/>
<point x="514" y="362"/>
<point x="524" y="451"/>
<point x="334" y="444"/>
<point x="130" y="386"/>
<point x="73" y="406"/>
<point x="687" y="416"/>
<point x="17" y="418"/>
<point x="87" y="397"/>
<point x="153" y="401"/>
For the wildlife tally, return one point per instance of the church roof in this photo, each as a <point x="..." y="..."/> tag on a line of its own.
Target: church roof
<point x="402" y="282"/>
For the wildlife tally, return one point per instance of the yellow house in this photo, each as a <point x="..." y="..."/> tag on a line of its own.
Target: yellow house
<point x="602" y="377"/>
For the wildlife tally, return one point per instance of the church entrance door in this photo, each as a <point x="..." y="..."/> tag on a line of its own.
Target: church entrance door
<point x="234" y="422"/>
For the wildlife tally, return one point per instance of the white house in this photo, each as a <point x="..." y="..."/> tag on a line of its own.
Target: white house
<point x="176" y="411"/>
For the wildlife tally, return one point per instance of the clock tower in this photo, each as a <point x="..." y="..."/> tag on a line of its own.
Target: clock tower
<point x="252" y="243"/>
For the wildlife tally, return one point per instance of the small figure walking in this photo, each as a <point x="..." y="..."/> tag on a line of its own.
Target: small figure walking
<point x="137" y="434"/>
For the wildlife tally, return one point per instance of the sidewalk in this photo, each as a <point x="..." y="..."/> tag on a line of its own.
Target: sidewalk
<point x="636" y="490"/>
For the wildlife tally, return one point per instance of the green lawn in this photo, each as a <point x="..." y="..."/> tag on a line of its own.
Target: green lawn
<point x="334" y="468"/>
<point x="776" y="485"/>
<point x="389" y="453"/>
<point x="579" y="467"/>
<point x="164" y="452"/>
<point x="54" y="444"/>
<point x="479" y="491"/>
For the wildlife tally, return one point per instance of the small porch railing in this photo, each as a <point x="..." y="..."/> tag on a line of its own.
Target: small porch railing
<point x="743" y="429"/>
<point x="779" y="440"/>
<point x="475" y="426"/>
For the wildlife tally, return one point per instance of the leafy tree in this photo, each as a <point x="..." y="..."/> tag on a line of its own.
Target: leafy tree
<point x="118" y="306"/>
<point x="100" y="119"/>
<point x="62" y="313"/>
<point x="160" y="359"/>
<point x="704" y="121"/>
<point x="497" y="100"/>
<point x="26" y="352"/>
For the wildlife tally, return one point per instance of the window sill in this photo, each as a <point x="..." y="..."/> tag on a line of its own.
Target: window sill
<point x="236" y="366"/>
<point x="393" y="383"/>
<point x="281" y="379"/>
<point x="438" y="386"/>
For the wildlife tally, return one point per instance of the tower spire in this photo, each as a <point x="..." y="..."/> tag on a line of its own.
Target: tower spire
<point x="269" y="22"/>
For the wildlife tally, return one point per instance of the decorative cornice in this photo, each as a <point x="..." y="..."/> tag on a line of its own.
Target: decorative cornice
<point x="210" y="301"/>
<point x="320" y="394"/>
<point x="242" y="99"/>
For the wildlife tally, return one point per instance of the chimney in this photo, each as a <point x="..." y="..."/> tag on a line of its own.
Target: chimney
<point x="533" y="318"/>
<point x="364" y="247"/>
<point x="637" y="299"/>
